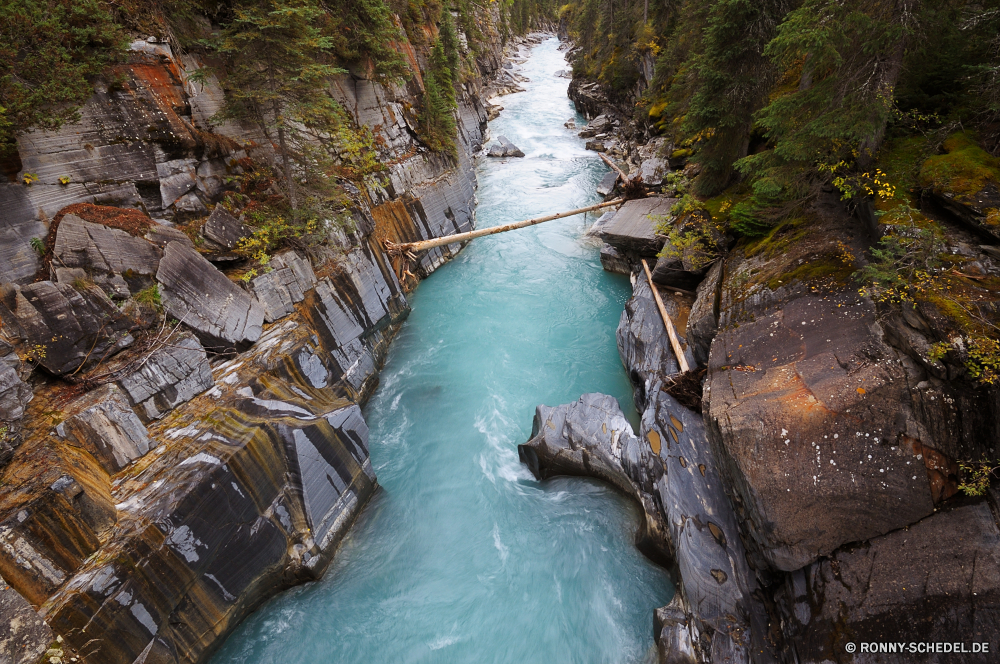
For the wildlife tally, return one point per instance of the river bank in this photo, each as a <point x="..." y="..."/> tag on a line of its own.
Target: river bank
<point x="806" y="499"/>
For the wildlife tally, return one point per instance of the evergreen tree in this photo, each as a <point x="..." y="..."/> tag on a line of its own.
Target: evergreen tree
<point x="733" y="80"/>
<point x="450" y="43"/>
<point x="276" y="65"/>
<point x="49" y="52"/>
<point x="437" y="119"/>
<point x="849" y="54"/>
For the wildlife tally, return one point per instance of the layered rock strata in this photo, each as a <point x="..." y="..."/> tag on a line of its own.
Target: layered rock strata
<point x="167" y="490"/>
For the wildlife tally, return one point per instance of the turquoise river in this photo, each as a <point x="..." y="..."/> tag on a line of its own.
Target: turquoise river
<point x="462" y="556"/>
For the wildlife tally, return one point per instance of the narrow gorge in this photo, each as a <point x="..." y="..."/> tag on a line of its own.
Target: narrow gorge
<point x="748" y="411"/>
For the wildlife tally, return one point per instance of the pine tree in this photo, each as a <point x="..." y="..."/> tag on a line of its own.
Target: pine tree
<point x="850" y="55"/>
<point x="277" y="68"/>
<point x="49" y="51"/>
<point x="437" y="119"/>
<point x="733" y="79"/>
<point x="450" y="43"/>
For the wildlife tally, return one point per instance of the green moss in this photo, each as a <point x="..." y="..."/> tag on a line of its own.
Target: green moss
<point x="778" y="240"/>
<point x="965" y="168"/>
<point x="830" y="268"/>
<point x="899" y="159"/>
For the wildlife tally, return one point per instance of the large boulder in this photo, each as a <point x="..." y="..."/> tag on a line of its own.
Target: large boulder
<point x="504" y="148"/>
<point x="223" y="316"/>
<point x="115" y="260"/>
<point x="65" y="327"/>
<point x="809" y="408"/>
<point x="936" y="581"/>
<point x="170" y="376"/>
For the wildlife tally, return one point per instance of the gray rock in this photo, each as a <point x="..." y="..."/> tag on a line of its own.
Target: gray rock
<point x="607" y="183"/>
<point x="653" y="170"/>
<point x="613" y="261"/>
<point x="18" y="259"/>
<point x="161" y="235"/>
<point x="224" y="317"/>
<point x="24" y="636"/>
<point x="936" y="581"/>
<point x="504" y="148"/>
<point x="224" y="229"/>
<point x="63" y="327"/>
<point x="670" y="271"/>
<point x="643" y="343"/>
<point x="107" y="428"/>
<point x="690" y="525"/>
<point x="676" y="633"/>
<point x="172" y="375"/>
<point x="599" y="125"/>
<point x="115" y="260"/>
<point x="703" y="320"/>
<point x="14" y="393"/>
<point x="286" y="284"/>
<point x="632" y="229"/>
<point x="592" y="438"/>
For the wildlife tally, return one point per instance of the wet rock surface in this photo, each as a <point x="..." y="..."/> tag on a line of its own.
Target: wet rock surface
<point x="936" y="581"/>
<point x="107" y="427"/>
<point x="504" y="148"/>
<point x="170" y="376"/>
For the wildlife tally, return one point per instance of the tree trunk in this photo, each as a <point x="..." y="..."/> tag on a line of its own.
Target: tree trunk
<point x="284" y="158"/>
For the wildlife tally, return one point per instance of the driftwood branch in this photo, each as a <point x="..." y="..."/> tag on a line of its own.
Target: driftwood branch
<point x="671" y="332"/>
<point x="397" y="249"/>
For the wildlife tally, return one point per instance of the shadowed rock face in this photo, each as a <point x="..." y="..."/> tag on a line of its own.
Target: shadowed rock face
<point x="642" y="338"/>
<point x="64" y="327"/>
<point x="24" y="636"/>
<point x="936" y="581"/>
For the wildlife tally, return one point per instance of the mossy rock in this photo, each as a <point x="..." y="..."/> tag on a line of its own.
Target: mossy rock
<point x="964" y="170"/>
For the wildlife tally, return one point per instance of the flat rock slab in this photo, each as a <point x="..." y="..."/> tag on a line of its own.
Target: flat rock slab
<point x="632" y="229"/>
<point x="63" y="327"/>
<point x="224" y="229"/>
<point x="936" y="581"/>
<point x="607" y="183"/>
<point x="224" y="317"/>
<point x="172" y="375"/>
<point x="279" y="290"/>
